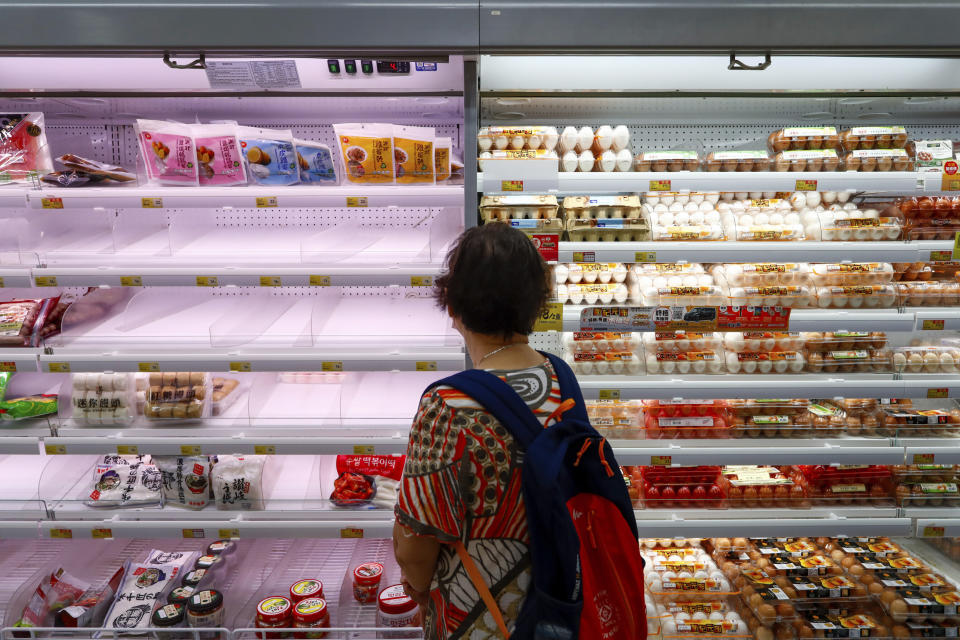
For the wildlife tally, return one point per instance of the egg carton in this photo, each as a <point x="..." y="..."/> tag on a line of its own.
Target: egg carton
<point x="796" y="547"/>
<point x="707" y="626"/>
<point x="682" y="215"/>
<point x="927" y="472"/>
<point x="917" y="603"/>
<point x="707" y="426"/>
<point x="855" y="622"/>
<point x="935" y="229"/>
<point x="737" y="161"/>
<point x="681" y="340"/>
<point x="668" y="198"/>
<point x="850" y="274"/>
<point x="747" y="408"/>
<point x="769" y="232"/>
<point x="752" y="486"/>
<point x="649" y="282"/>
<point x="855" y="225"/>
<point x="907" y="421"/>
<point x="605" y="363"/>
<point x="793" y="296"/>
<point x="880" y="546"/>
<point x="516" y="138"/>
<point x="667" y="161"/>
<point x="866" y="296"/>
<point x="873" y="138"/>
<point x="602" y="139"/>
<point x="763" y="362"/>
<point x="600" y="207"/>
<point x="667" y="270"/>
<point x="703" y="361"/>
<point x="586" y="161"/>
<point x="760" y="274"/>
<point x="799" y="138"/>
<point x="903" y="565"/>
<point x="526" y="207"/>
<point x="599" y="341"/>
<point x="775" y="425"/>
<point x="608" y="230"/>
<point x="929" y="294"/>
<point x="509" y="154"/>
<point x="592" y="294"/>
<point x="912" y="271"/>
<point x="590" y="273"/>
<point x="849" y="361"/>
<point x="696" y="295"/>
<point x="809" y="160"/>
<point x="853" y="484"/>
<point x="826" y="341"/>
<point x="679" y="487"/>
<point x="685" y="407"/>
<point x="929" y="359"/>
<point x="942" y="491"/>
<point x="877" y="160"/>
<point x="775" y="600"/>
<point x="763" y="341"/>
<point x="615" y="418"/>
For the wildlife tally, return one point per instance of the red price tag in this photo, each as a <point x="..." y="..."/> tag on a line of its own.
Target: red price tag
<point x="548" y="244"/>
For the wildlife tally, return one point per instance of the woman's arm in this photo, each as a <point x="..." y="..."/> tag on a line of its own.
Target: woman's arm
<point x="417" y="557"/>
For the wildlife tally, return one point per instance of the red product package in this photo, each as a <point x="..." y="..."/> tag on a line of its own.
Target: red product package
<point x="367" y="482"/>
<point x="21" y="321"/>
<point x="24" y="153"/>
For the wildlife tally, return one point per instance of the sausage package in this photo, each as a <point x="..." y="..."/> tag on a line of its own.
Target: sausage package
<point x="219" y="161"/>
<point x="238" y="482"/>
<point x="270" y="156"/>
<point x="186" y="480"/>
<point x="366" y="151"/>
<point x="24" y="152"/>
<point x="316" y="163"/>
<point x="413" y="154"/>
<point x="367" y="482"/>
<point x="168" y="151"/>
<point x="21" y="321"/>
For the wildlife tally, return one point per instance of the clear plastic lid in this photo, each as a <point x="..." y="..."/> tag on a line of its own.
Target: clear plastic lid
<point x="854" y="225"/>
<point x="803" y="138"/>
<point x="703" y="361"/>
<point x="846" y="274"/>
<point x="752" y="486"/>
<point x="599" y="341"/>
<point x="683" y="295"/>
<point x="877" y="160"/>
<point x="866" y="296"/>
<point x="593" y="293"/>
<point x="849" y="361"/>
<point x="666" y="269"/>
<point x="807" y="160"/>
<point x="760" y="274"/>
<point x="929" y="359"/>
<point x="590" y="273"/>
<point x="761" y="362"/>
<point x="929" y="294"/>
<point x="797" y="296"/>
<point x="763" y="340"/>
<point x="681" y="340"/>
<point x="879" y="137"/>
<point x="737" y="161"/>
<point x="823" y="341"/>
<point x="688" y="232"/>
<point x="591" y="207"/>
<point x="670" y="160"/>
<point x="615" y="418"/>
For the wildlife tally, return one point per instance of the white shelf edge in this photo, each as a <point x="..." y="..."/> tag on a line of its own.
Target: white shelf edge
<point x="23" y="359"/>
<point x="942" y="452"/>
<point x="230" y="526"/>
<point x="930" y="526"/>
<point x="13" y="444"/>
<point x="758" y="451"/>
<point x="240" y="444"/>
<point x="773" y="522"/>
<point x="745" y="386"/>
<point x="16" y="277"/>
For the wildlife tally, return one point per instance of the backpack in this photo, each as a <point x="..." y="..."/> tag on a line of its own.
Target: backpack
<point x="587" y="569"/>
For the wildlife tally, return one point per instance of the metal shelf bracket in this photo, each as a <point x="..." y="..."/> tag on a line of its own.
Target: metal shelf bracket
<point x="737" y="65"/>
<point x="199" y="63"/>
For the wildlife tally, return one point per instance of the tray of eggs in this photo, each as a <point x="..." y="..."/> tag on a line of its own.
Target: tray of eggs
<point x="912" y="271"/>
<point x="800" y="138"/>
<point x="855" y="621"/>
<point x="929" y="294"/>
<point x="763" y="362"/>
<point x="876" y="160"/>
<point x="774" y="599"/>
<point x="926" y="359"/>
<point x="903" y="420"/>
<point x="929" y="596"/>
<point x="606" y="149"/>
<point x="520" y="207"/>
<point x="601" y="207"/>
<point x="669" y="161"/>
<point x="793" y="296"/>
<point x="644" y="276"/>
<point x="608" y="230"/>
<point x="682" y="488"/>
<point x="883" y="137"/>
<point x="516" y="138"/>
<point x="770" y="418"/>
<point x="590" y="294"/>
<point x="855" y="297"/>
<point x="753" y="487"/>
<point x="848" y="223"/>
<point x="850" y="274"/>
<point x="751" y="160"/>
<point x="853" y="416"/>
<point x="849" y="361"/>
<point x="590" y="273"/>
<point x="866" y="485"/>
<point x="688" y="575"/>
<point x="667" y="352"/>
<point x="618" y="419"/>
<point x="930" y="217"/>
<point x="602" y="352"/>
<point x="826" y="341"/>
<point x="669" y="419"/>
<point x="761" y="274"/>
<point x="763" y="340"/>
<point x="806" y="160"/>
<point x="934" y="485"/>
<point x="689" y="220"/>
<point x="701" y="620"/>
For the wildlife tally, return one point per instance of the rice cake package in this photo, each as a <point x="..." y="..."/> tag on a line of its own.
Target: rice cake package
<point x="24" y="152"/>
<point x="441" y="157"/>
<point x="413" y="154"/>
<point x="367" y="482"/>
<point x="270" y="156"/>
<point x="316" y="163"/>
<point x="238" y="482"/>
<point x="119" y="481"/>
<point x="168" y="151"/>
<point x="186" y="480"/>
<point x="219" y="161"/>
<point x="366" y="151"/>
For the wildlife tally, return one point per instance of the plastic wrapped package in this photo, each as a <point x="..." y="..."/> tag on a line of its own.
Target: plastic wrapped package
<point x="689" y="222"/>
<point x="826" y="341"/>
<point x="413" y="154"/>
<point x="24" y="152"/>
<point x="865" y="485"/>
<point x="603" y="352"/>
<point x="762" y="340"/>
<point x="177" y="396"/>
<point x="752" y="486"/>
<point x="926" y="359"/>
<point x="906" y="421"/>
<point x="737" y="161"/>
<point x="850" y="274"/>
<point x="224" y="392"/>
<point x="366" y="152"/>
<point x="591" y="294"/>
<point x="877" y="137"/>
<point x="769" y="232"/>
<point x="930" y="155"/>
<point x="852" y="225"/>
<point x="669" y="419"/>
<point x="798" y="138"/>
<point x="682" y="295"/>
<point x="615" y="418"/>
<point x="494" y="208"/>
<point x="608" y="230"/>
<point x="527" y="137"/>
<point x="598" y="207"/>
<point x="686" y="273"/>
<point x="792" y="296"/>
<point x="913" y="271"/>
<point x="764" y="362"/>
<point x="121" y="481"/>
<point x="680" y="341"/>
<point x="186" y="480"/>
<point x="876" y="160"/>
<point x="683" y="198"/>
<point x="270" y="155"/>
<point x="590" y="273"/>
<point x="367" y="482"/>
<point x="661" y="161"/>
<point x="21" y="321"/>
<point x="929" y="294"/>
<point x="809" y="160"/>
<point x="238" y="482"/>
<point x="680" y="625"/>
<point x="169" y="152"/>
<point x="867" y="296"/>
<point x="219" y="159"/>
<point x="700" y="361"/>
<point x="316" y="164"/>
<point x="684" y="574"/>
<point x="849" y="361"/>
<point x="144" y="586"/>
<point x="682" y="488"/>
<point x="929" y="485"/>
<point x="761" y="274"/>
<point x="770" y="418"/>
<point x="583" y="162"/>
<point x="930" y="217"/>
<point x="102" y="399"/>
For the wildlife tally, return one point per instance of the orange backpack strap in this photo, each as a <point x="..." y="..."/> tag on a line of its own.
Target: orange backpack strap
<point x="482" y="589"/>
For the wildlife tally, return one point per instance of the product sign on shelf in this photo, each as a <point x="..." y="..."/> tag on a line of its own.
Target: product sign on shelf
<point x="950" y="178"/>
<point x="732" y="318"/>
<point x="548" y="244"/>
<point x="726" y="318"/>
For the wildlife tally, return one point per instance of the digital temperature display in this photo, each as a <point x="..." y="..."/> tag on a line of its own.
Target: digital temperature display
<point x="392" y="66"/>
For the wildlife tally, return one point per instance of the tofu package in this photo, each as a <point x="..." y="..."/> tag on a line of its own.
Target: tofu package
<point x="413" y="154"/>
<point x="186" y="480"/>
<point x="121" y="481"/>
<point x="219" y="160"/>
<point x="270" y="155"/>
<point x="316" y="163"/>
<point x="238" y="482"/>
<point x="366" y="152"/>
<point x="168" y="152"/>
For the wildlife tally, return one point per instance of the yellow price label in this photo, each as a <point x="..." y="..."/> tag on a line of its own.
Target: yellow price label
<point x="351" y="532"/>
<point x="1" y="283"/>
<point x="208" y="281"/>
<point x="61" y="533"/>
<point x="363" y="449"/>
<point x="933" y="532"/>
<point x="228" y="533"/>
<point x="941" y="256"/>
<point x="426" y="365"/>
<point x="955" y="255"/>
<point x="609" y="394"/>
<point x="58" y="367"/>
<point x="331" y="365"/>
<point x="131" y="281"/>
<point x="661" y="461"/>
<point x="938" y="393"/>
<point x="584" y="256"/>
<point x="551" y="318"/>
<point x="270" y="281"/>
<point x="190" y="450"/>
<point x="949" y="178"/>
<point x="10" y="367"/>
<point x="421" y="281"/>
<point x="128" y="450"/>
<point x="151" y="203"/>
<point x="265" y="449"/>
<point x="55" y="449"/>
<point x="645" y="256"/>
<point x="923" y="458"/>
<point x="45" y="281"/>
<point x="51" y="203"/>
<point x="267" y="201"/>
<point x="101" y="534"/>
<point x="932" y="325"/>
<point x="659" y="185"/>
<point x="806" y="185"/>
<point x="193" y="533"/>
<point x="148" y="367"/>
<point x="319" y="281"/>
<point x="511" y="185"/>
<point x="357" y="201"/>
<point x="240" y="367"/>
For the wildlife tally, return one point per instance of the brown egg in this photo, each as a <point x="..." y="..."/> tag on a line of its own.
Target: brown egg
<point x="784" y="610"/>
<point x="875" y="589"/>
<point x="763" y="633"/>
<point x="900" y="631"/>
<point x="791" y="592"/>
<point x="889" y="596"/>
<point x="767" y="613"/>
<point x="867" y="579"/>
<point x="848" y="561"/>
<point x="856" y="570"/>
<point x="837" y="555"/>
<point x="858" y="591"/>
<point x="898" y="610"/>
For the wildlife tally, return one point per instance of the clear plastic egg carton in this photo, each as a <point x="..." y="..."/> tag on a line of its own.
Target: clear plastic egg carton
<point x="760" y="274"/>
<point x="600" y="341"/>
<point x="701" y="361"/>
<point x="608" y="230"/>
<point x="799" y="138"/>
<point x="770" y="418"/>
<point x="600" y="207"/>
<point x="849" y="361"/>
<point x="877" y="160"/>
<point x="882" y="137"/>
<point x="929" y="294"/>
<point x="668" y="198"/>
<point x="936" y="420"/>
<point x="850" y="274"/>
<point x="911" y="271"/>
<point x="615" y="418"/>
<point x="927" y="359"/>
<point x="598" y="293"/>
<point x="682" y="226"/>
<point x="807" y="160"/>
<point x="516" y="138"/>
<point x="822" y="341"/>
<point x="673" y="574"/>
<point x="667" y="161"/>
<point x="680" y="340"/>
<point x="590" y="272"/>
<point x="851" y="224"/>
<point x="697" y="624"/>
<point x="798" y="297"/>
<point x="526" y="207"/>
<point x="737" y="161"/>
<point x="606" y="149"/>
<point x="683" y="295"/>
<point x="667" y="270"/>
<point x="602" y="353"/>
<point x="763" y="362"/>
<point x="866" y="296"/>
<point x="763" y="341"/>
<point x="774" y="231"/>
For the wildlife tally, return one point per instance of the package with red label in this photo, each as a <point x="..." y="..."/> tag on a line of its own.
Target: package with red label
<point x="125" y="481"/>
<point x="367" y="482"/>
<point x="168" y="151"/>
<point x="753" y="486"/>
<point x="24" y="153"/>
<point x="682" y="487"/>
<point x="685" y="419"/>
<point x="219" y="160"/>
<point x="21" y="321"/>
<point x="54" y="593"/>
<point x="186" y="480"/>
<point x="848" y="484"/>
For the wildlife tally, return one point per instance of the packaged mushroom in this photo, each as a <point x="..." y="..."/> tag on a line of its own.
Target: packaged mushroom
<point x="102" y="399"/>
<point x="597" y="207"/>
<point x="809" y="160"/>
<point x="661" y="161"/>
<point x="873" y="138"/>
<point x="177" y="396"/>
<point x="494" y="208"/>
<point x="737" y="161"/>
<point x="876" y="160"/>
<point x="799" y="138"/>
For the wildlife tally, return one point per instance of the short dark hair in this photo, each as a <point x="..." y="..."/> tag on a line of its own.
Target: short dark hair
<point x="495" y="281"/>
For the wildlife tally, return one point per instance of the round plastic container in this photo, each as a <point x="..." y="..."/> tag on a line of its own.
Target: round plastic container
<point x="180" y="595"/>
<point x="395" y="609"/>
<point x="311" y="615"/>
<point x="171" y="615"/>
<point x="221" y="548"/>
<point x="303" y="589"/>
<point x="366" y="582"/>
<point x="274" y="613"/>
<point x="205" y="610"/>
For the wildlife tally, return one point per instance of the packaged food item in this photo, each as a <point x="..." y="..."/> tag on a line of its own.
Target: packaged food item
<point x="366" y="151"/>
<point x="797" y="138"/>
<point x="219" y="159"/>
<point x="186" y="480"/>
<point x="413" y="154"/>
<point x="615" y="418"/>
<point x="853" y="224"/>
<point x="826" y="341"/>
<point x="28" y="407"/>
<point x="590" y="273"/>
<point x="55" y="592"/>
<point x="763" y="340"/>
<point x="238" y="482"/>
<point x="926" y="359"/>
<point x="367" y="481"/>
<point x="531" y="137"/>
<point x="24" y="153"/>
<point x="102" y="399"/>
<point x="753" y="486"/>
<point x="441" y="157"/>
<point x="929" y="155"/>
<point x="605" y="230"/>
<point x="889" y="567"/>
<point x="810" y="160"/>
<point x="599" y="207"/>
<point x="90" y="608"/>
<point x="366" y="582"/>
<point x="852" y="484"/>
<point x="120" y="481"/>
<point x="753" y="362"/>
<point x="311" y="614"/>
<point x="876" y="160"/>
<point x="494" y="208"/>
<point x="905" y="421"/>
<point x="929" y="294"/>
<point x="205" y="611"/>
<point x="21" y="321"/>
<point x="169" y="616"/>
<point x="195" y="580"/>
<point x="666" y="161"/>
<point x="877" y="295"/>
<point x="771" y="418"/>
<point x="180" y="595"/>
<point x="877" y="137"/>
<point x="934" y="485"/>
<point x="798" y="297"/>
<point x="169" y="152"/>
<point x="81" y="171"/>
<point x="849" y="361"/>
<point x="221" y="548"/>
<point x="315" y="161"/>
<point x="737" y="161"/>
<point x="144" y="586"/>
<point x="850" y="274"/>
<point x="303" y="589"/>
<point x="274" y="612"/>
<point x="395" y="609"/>
<point x="225" y="393"/>
<point x="682" y="487"/>
<point x="176" y="396"/>
<point x="930" y="218"/>
<point x="270" y="155"/>
<point x="851" y="622"/>
<point x="670" y="419"/>
<point x="590" y="352"/>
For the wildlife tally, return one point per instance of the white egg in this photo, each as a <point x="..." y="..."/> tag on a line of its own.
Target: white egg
<point x="723" y="206"/>
<point x="705" y="207"/>
<point x="749" y="366"/>
<point x="716" y="615"/>
<point x="666" y="219"/>
<point x="667" y="198"/>
<point x="843" y="196"/>
<point x="761" y="219"/>
<point x="697" y="218"/>
<point x="574" y="273"/>
<point x="850" y="206"/>
<point x="776" y="219"/>
<point x="741" y="195"/>
<point x="736" y="205"/>
<point x="682" y="219"/>
<point x="691" y="207"/>
<point x="798" y="200"/>
<point x="764" y="366"/>
<point x="590" y="276"/>
<point x="711" y="218"/>
<point x="745" y="221"/>
<point x="791" y="219"/>
<point x="712" y="197"/>
<point x="699" y="615"/>
<point x="813" y="198"/>
<point x="733" y="363"/>
<point x="585" y="161"/>
<point x="697" y="196"/>
<point x="676" y="207"/>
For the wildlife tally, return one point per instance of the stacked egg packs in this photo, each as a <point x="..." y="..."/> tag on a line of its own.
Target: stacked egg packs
<point x="578" y="149"/>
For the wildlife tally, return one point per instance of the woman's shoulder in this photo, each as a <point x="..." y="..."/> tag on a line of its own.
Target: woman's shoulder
<point x="446" y="397"/>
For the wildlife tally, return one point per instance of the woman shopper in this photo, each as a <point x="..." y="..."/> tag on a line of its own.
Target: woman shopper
<point x="462" y="480"/>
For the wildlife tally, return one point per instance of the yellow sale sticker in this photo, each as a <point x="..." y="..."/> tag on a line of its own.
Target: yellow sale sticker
<point x="660" y="185"/>
<point x="933" y="532"/>
<point x="51" y="203"/>
<point x="319" y="281"/>
<point x="584" y="256"/>
<point x="228" y="533"/>
<point x="151" y="203"/>
<point x="661" y="461"/>
<point x="190" y="450"/>
<point x="645" y="256"/>
<point x="265" y="449"/>
<point x="551" y="318"/>
<point x="938" y="393"/>
<point x="363" y="449"/>
<point x="267" y="201"/>
<point x="270" y="281"/>
<point x="193" y="533"/>
<point x="101" y="534"/>
<point x="8" y="366"/>
<point x="45" y="281"/>
<point x="208" y="281"/>
<point x="331" y="365"/>
<point x="421" y="281"/>
<point x="806" y="185"/>
<point x="426" y="365"/>
<point x="148" y="367"/>
<point x="357" y="201"/>
<point x="923" y="458"/>
<point x="131" y="281"/>
<point x="932" y="325"/>
<point x="351" y="532"/>
<point x="128" y="450"/>
<point x="609" y="394"/>
<point x="61" y="533"/>
<point x="55" y="449"/>
<point x="941" y="256"/>
<point x="58" y="367"/>
<point x="511" y="185"/>
<point x="241" y="367"/>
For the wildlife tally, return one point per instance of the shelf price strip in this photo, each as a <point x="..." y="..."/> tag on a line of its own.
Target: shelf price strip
<point x="351" y="532"/>
<point x="101" y="534"/>
<point x="151" y="203"/>
<point x="190" y="450"/>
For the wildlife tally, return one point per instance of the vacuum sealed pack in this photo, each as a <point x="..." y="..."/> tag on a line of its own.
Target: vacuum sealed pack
<point x="441" y="157"/>
<point x="270" y="156"/>
<point x="366" y="151"/>
<point x="24" y="152"/>
<point x="238" y="482"/>
<point x="21" y="321"/>
<point x="413" y="154"/>
<point x="144" y="587"/>
<point x="316" y="163"/>
<point x="168" y="151"/>
<point x="219" y="161"/>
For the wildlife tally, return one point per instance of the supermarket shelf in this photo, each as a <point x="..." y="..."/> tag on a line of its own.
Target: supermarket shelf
<point x="15" y="277"/>
<point x="725" y="251"/>
<point x="248" y="443"/>
<point x="767" y="451"/>
<point x="20" y="359"/>
<point x="631" y="182"/>
<point x="819" y="521"/>
<point x="13" y="197"/>
<point x="745" y="386"/>
<point x="21" y="441"/>
<point x="949" y="315"/>
<point x="943" y="450"/>
<point x="930" y="385"/>
<point x="936" y="526"/>
<point x="250" y="197"/>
